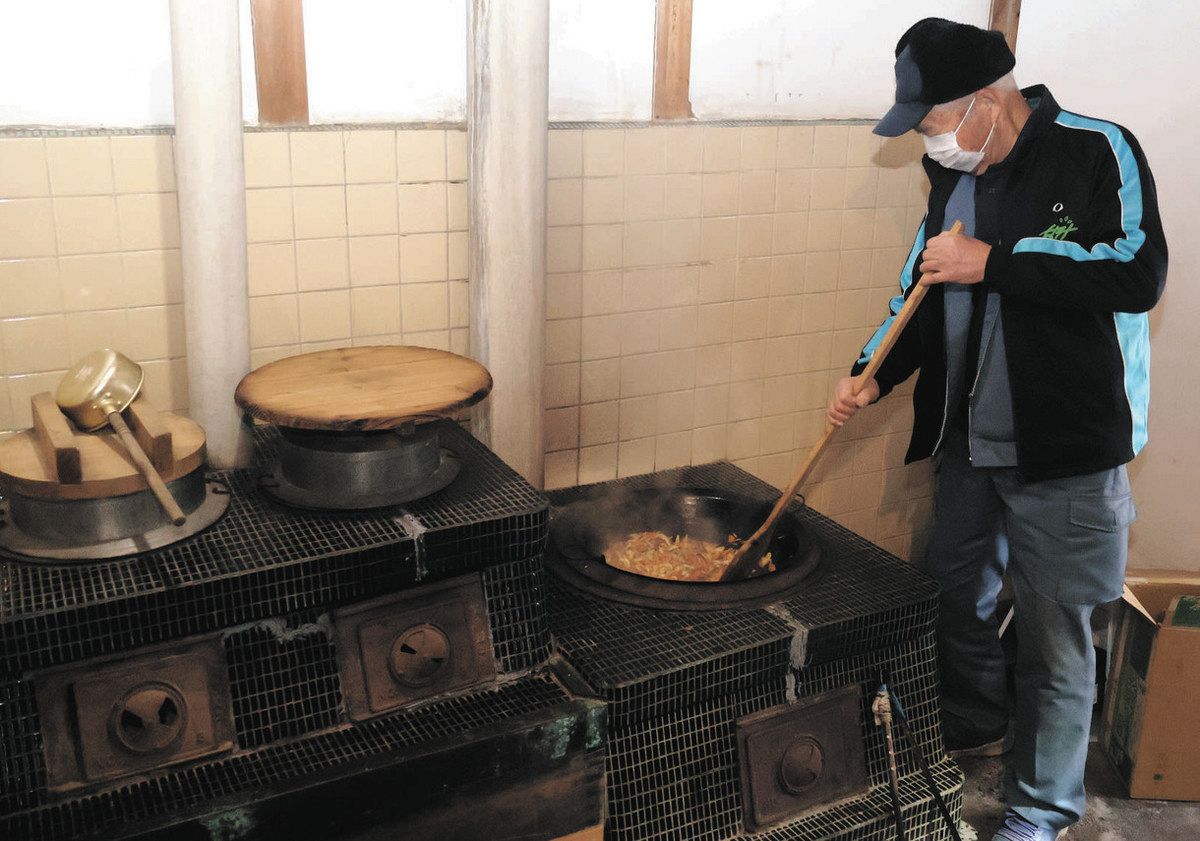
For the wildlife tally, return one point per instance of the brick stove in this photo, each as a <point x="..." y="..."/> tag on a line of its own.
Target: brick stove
<point x="299" y="674"/>
<point x="758" y="718"/>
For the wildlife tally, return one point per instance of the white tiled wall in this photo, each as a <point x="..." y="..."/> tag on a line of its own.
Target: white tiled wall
<point x="706" y="285"/>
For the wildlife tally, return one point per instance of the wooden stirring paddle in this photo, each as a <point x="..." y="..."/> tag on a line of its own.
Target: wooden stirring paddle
<point x="755" y="546"/>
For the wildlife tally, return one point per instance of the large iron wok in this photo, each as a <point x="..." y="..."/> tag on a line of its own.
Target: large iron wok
<point x="580" y="532"/>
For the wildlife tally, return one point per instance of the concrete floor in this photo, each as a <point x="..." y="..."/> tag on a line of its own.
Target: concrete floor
<point x="1111" y="816"/>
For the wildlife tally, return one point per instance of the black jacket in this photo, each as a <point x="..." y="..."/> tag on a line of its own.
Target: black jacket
<point x="1078" y="258"/>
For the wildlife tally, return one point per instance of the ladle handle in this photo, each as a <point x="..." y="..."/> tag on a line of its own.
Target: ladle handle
<point x="142" y="462"/>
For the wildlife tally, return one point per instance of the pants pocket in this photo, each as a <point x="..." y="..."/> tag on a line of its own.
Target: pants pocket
<point x="1102" y="513"/>
<point x="1096" y="542"/>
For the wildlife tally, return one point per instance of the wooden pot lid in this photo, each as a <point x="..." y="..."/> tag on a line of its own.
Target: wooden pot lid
<point x="362" y="388"/>
<point x="105" y="467"/>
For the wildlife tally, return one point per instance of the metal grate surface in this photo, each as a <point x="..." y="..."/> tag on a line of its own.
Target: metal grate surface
<point x="187" y="787"/>
<point x="516" y="610"/>
<point x="263" y="559"/>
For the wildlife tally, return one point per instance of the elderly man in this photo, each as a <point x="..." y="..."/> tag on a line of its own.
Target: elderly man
<point x="1033" y="348"/>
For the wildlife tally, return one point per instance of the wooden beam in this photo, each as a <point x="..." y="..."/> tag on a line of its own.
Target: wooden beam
<point x="279" y="62"/>
<point x="1006" y="14"/>
<point x="673" y="60"/>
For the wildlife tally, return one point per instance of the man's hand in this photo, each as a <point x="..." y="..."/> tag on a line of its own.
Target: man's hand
<point x="845" y="402"/>
<point x="953" y="258"/>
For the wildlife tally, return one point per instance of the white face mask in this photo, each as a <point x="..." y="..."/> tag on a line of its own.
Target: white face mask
<point x="944" y="148"/>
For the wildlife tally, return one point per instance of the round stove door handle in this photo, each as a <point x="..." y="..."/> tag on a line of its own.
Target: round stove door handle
<point x="420" y="655"/>
<point x="801" y="765"/>
<point x="149" y="718"/>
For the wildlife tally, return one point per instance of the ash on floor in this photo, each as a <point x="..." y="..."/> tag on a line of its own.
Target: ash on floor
<point x="1111" y="816"/>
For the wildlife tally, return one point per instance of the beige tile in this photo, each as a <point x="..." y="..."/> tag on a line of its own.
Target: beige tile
<point x="601" y="292"/>
<point x="88" y="331"/>
<point x="750" y="319"/>
<point x="561" y="385"/>
<point x="562" y="341"/>
<point x="829" y="145"/>
<point x="460" y="304"/>
<point x="711" y="405"/>
<point x="603" y="200"/>
<point x="641" y="289"/>
<point x="675" y="411"/>
<point x="779" y="394"/>
<point x="271" y="268"/>
<point x="153" y="278"/>
<point x="322" y="264"/>
<point x="317" y="158"/>
<point x="166" y="383"/>
<point x="722" y="148"/>
<point x="143" y="163"/>
<point x="673" y="450"/>
<point x="597" y="464"/>
<point x="720" y="191"/>
<point x="638" y="417"/>
<point x="374" y="310"/>
<point x="821" y="271"/>
<point x="793" y="189"/>
<point x="861" y="187"/>
<point x="759" y="147"/>
<point x="635" y="457"/>
<point x="681" y="196"/>
<point x="29" y="287"/>
<point x="795" y="146"/>
<point x="790" y="235"/>
<point x="601" y="247"/>
<point x="717" y="281"/>
<point x="639" y="332"/>
<point x="598" y="423"/>
<point x="644" y="151"/>
<point x="80" y="166"/>
<point x="370" y="156"/>
<point x="828" y="188"/>
<point x="26" y="228"/>
<point x="784" y="316"/>
<point x="858" y="228"/>
<point x="563" y="249"/>
<point x="436" y="339"/>
<point x="148" y="221"/>
<point x="457" y="210"/>
<point x="325" y="315"/>
<point x="776" y="434"/>
<point x="564" y="155"/>
<point x="681" y="241"/>
<point x="564" y="295"/>
<point x="718" y="239"/>
<point x="460" y="342"/>
<point x="713" y="364"/>
<point x="23" y="168"/>
<point x="854" y="269"/>
<point x="680" y="285"/>
<point x="269" y="214"/>
<point x="422" y="207"/>
<point x="564" y="201"/>
<point x="371" y="209"/>
<point x="425" y="306"/>
<point x="642" y="244"/>
<point x="560" y="470"/>
<point x="714" y="323"/>
<point x="562" y="428"/>
<point x="603" y="152"/>
<point x="86" y="225"/>
<point x="374" y="261"/>
<point x="92" y="282"/>
<point x="756" y="191"/>
<point x="747" y="359"/>
<point x="677" y="369"/>
<point x="420" y="155"/>
<point x="815" y="350"/>
<point x="261" y="356"/>
<point x="863" y="147"/>
<point x="753" y="278"/>
<point x="600" y="380"/>
<point x="852" y="308"/>
<point x="677" y="328"/>
<point x="457" y="259"/>
<point x="644" y="196"/>
<point x="824" y="230"/>
<point x="781" y="356"/>
<point x="456" y="155"/>
<point x="687" y="148"/>
<point x="708" y="444"/>
<point x="640" y="375"/>
<point x="818" y="312"/>
<point x="267" y="158"/>
<point x="755" y="235"/>
<point x="422" y="258"/>
<point x="155" y="333"/>
<point x="787" y="270"/>
<point x="21" y="389"/>
<point x="320" y="212"/>
<point x="892" y="187"/>
<point x="892" y="228"/>
<point x="742" y="439"/>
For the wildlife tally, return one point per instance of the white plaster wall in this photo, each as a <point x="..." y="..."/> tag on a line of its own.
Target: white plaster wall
<point x="385" y="60"/>
<point x="88" y="63"/>
<point x="1132" y="63"/>
<point x="601" y="59"/>
<point x="805" y="59"/>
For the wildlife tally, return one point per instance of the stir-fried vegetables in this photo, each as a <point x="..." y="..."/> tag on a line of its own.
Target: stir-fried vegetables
<point x="678" y="558"/>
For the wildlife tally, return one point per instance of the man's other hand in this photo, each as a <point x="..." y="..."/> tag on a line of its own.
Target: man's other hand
<point x="845" y="402"/>
<point x="953" y="258"/>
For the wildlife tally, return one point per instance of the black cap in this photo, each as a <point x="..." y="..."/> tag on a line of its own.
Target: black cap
<point x="938" y="61"/>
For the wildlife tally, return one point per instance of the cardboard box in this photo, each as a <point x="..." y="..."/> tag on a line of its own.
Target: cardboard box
<point x="1151" y="724"/>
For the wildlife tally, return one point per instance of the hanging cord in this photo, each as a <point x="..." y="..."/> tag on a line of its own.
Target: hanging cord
<point x="882" y="709"/>
<point x="906" y="734"/>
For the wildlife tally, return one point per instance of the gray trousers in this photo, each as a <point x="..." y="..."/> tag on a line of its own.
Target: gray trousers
<point x="1064" y="544"/>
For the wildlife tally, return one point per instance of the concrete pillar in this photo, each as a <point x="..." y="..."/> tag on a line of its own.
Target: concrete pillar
<point x="508" y="57"/>
<point x="212" y="217"/>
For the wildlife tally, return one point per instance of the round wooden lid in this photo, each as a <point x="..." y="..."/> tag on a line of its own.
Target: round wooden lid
<point x="362" y="388"/>
<point x="105" y="465"/>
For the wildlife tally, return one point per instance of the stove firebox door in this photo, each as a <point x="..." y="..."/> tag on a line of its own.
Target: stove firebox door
<point x="798" y="756"/>
<point x="413" y="645"/>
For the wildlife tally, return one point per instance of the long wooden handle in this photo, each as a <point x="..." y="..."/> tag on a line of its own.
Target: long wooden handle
<point x="885" y="347"/>
<point x="142" y="462"/>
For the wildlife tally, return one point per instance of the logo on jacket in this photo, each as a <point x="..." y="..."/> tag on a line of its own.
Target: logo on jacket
<point x="1060" y="229"/>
